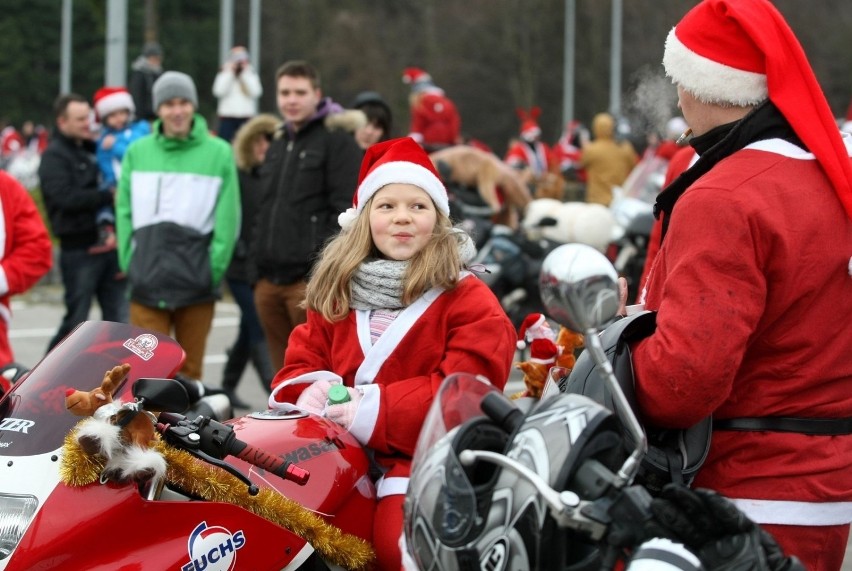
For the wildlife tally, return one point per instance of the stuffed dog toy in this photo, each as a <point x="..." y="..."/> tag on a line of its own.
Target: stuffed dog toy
<point x="121" y="433"/>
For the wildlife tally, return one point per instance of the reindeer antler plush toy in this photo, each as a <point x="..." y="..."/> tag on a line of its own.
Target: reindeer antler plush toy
<point x="547" y="349"/>
<point x="121" y="433"/>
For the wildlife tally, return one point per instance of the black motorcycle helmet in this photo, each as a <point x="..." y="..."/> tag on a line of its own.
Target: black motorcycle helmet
<point x="465" y="517"/>
<point x="673" y="455"/>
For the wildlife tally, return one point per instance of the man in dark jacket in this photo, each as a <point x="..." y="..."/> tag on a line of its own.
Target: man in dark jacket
<point x="69" y="177"/>
<point x="146" y="69"/>
<point x="310" y="173"/>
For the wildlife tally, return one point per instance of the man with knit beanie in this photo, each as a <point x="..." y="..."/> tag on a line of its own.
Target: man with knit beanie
<point x="177" y="218"/>
<point x="752" y="284"/>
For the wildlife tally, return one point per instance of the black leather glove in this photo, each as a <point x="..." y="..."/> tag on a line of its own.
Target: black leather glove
<point x="717" y="531"/>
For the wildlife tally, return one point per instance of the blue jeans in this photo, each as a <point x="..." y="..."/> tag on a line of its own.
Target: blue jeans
<point x="250" y="344"/>
<point x="86" y="276"/>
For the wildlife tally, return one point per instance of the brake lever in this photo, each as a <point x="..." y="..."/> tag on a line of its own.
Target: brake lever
<point x="185" y="436"/>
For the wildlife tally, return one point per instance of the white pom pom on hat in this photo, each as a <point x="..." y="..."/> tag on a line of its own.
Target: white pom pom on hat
<point x="400" y="161"/>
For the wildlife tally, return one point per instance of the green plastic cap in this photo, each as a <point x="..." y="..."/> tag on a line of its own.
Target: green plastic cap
<point x="338" y="394"/>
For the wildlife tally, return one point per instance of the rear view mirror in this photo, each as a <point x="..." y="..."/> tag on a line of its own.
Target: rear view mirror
<point x="161" y="394"/>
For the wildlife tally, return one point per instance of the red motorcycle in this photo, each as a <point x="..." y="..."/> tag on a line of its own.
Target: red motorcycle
<point x="271" y="490"/>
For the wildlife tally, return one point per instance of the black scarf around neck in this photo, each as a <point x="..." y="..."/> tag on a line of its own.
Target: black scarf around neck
<point x="763" y="122"/>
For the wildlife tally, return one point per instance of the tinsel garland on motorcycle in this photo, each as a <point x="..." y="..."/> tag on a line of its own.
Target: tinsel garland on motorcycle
<point x="77" y="468"/>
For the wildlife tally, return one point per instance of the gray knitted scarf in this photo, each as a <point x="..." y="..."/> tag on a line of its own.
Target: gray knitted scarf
<point x="377" y="284"/>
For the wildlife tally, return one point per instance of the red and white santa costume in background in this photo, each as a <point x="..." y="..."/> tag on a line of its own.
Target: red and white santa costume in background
<point x="567" y="150"/>
<point x="435" y="120"/>
<point x="530" y="152"/>
<point x="26" y="253"/>
<point x="443" y="332"/>
<point x="753" y="287"/>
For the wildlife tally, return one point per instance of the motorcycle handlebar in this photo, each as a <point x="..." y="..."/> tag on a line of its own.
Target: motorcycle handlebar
<point x="502" y="411"/>
<point x="257" y="457"/>
<point x="218" y="440"/>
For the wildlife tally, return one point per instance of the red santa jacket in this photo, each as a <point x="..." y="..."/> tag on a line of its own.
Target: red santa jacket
<point x="461" y="330"/>
<point x="435" y="121"/>
<point x="26" y="253"/>
<point x="753" y="291"/>
<point x="538" y="157"/>
<point x="680" y="161"/>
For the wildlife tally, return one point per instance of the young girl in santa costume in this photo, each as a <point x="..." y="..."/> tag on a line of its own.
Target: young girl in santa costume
<point x="392" y="312"/>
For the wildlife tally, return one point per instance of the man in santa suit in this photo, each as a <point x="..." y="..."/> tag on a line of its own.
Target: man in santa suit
<point x="26" y="254"/>
<point x="753" y="282"/>
<point x="529" y="154"/>
<point x="435" y="121"/>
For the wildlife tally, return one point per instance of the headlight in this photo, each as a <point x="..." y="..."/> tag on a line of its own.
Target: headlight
<point x="16" y="513"/>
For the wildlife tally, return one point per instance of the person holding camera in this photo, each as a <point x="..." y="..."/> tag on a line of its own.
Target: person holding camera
<point x="237" y="87"/>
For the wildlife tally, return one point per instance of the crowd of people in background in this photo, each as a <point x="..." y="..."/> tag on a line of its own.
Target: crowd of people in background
<point x="584" y="165"/>
<point x="158" y="214"/>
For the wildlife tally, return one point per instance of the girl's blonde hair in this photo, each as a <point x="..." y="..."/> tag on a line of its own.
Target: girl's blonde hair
<point x="436" y="265"/>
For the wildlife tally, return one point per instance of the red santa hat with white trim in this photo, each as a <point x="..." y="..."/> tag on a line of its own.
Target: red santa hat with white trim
<point x="541" y="337"/>
<point x="111" y="99"/>
<point x="740" y="52"/>
<point x="419" y="80"/>
<point x="534" y="326"/>
<point x="530" y="129"/>
<point x="395" y="161"/>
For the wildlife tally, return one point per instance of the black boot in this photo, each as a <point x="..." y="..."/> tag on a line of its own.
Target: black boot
<point x="263" y="365"/>
<point x="238" y="357"/>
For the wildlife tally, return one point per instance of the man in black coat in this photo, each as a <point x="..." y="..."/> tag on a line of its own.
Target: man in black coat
<point x="70" y="179"/>
<point x="143" y="73"/>
<point x="311" y="173"/>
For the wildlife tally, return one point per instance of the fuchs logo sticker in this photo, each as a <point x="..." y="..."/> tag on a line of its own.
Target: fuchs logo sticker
<point x="143" y="345"/>
<point x="213" y="548"/>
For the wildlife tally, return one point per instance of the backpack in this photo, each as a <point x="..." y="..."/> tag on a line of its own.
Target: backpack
<point x="674" y="455"/>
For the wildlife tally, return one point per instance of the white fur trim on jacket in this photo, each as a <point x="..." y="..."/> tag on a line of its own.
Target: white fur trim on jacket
<point x="710" y="81"/>
<point x="403" y="172"/>
<point x="367" y="414"/>
<point x="391" y="486"/>
<point x="304" y="379"/>
<point x="786" y="512"/>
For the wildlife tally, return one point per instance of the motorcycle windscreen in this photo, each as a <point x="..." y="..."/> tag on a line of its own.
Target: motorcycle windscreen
<point x="438" y="480"/>
<point x="33" y="418"/>
<point x="457" y="401"/>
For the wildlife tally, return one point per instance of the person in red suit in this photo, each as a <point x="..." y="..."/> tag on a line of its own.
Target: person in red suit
<point x="435" y="121"/>
<point x="26" y="254"/>
<point x="529" y="154"/>
<point x="752" y="285"/>
<point x="392" y="311"/>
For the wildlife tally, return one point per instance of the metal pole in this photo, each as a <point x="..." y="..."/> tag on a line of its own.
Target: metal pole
<point x="115" y="71"/>
<point x="615" y="61"/>
<point x="254" y="34"/>
<point x="65" y="47"/>
<point x="152" y="30"/>
<point x="226" y="28"/>
<point x="568" y="74"/>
